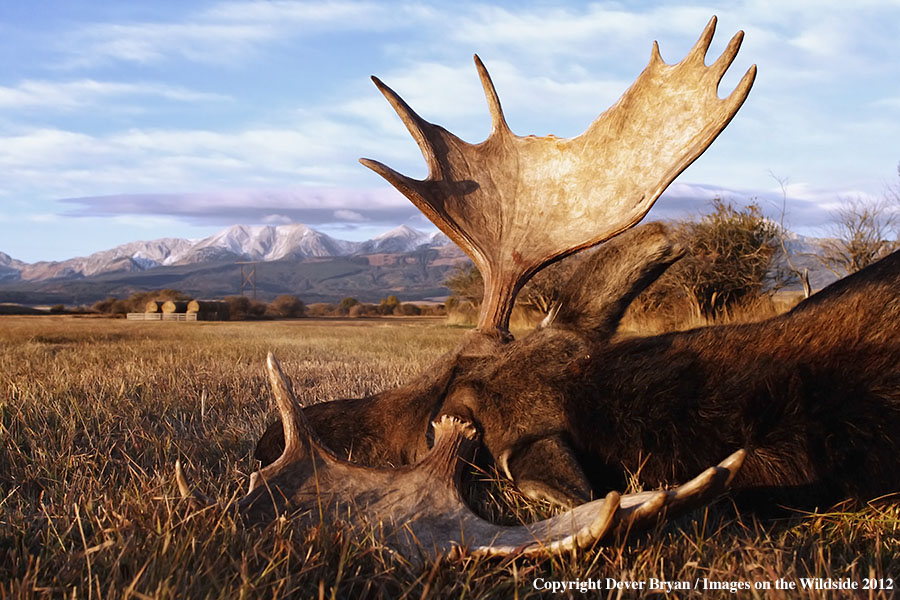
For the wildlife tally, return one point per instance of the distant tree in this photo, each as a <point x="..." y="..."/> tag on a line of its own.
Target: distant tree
<point x="241" y="308"/>
<point x="120" y="307"/>
<point x="408" y="310"/>
<point x="286" y="306"/>
<point x="388" y="305"/>
<point x="257" y="309"/>
<point x="238" y="307"/>
<point x="104" y="306"/>
<point x="346" y="304"/>
<point x="860" y="235"/>
<point x="320" y="309"/>
<point x="465" y="283"/>
<point x="58" y="308"/>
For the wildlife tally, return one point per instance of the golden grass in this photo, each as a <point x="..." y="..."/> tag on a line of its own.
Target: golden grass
<point x="94" y="412"/>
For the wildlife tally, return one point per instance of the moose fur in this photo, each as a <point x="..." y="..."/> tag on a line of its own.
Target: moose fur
<point x="569" y="410"/>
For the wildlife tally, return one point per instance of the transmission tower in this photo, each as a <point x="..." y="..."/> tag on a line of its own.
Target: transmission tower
<point x="248" y="276"/>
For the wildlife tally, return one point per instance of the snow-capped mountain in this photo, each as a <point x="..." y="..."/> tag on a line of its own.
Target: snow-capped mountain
<point x="239" y="242"/>
<point x="131" y="257"/>
<point x="265" y="243"/>
<point x="403" y="239"/>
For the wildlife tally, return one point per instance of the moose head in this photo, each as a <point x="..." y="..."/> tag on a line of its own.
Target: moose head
<point x="564" y="409"/>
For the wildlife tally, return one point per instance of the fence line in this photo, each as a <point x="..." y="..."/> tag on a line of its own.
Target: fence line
<point x="161" y="316"/>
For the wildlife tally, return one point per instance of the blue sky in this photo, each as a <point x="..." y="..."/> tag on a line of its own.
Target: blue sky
<point x="138" y="120"/>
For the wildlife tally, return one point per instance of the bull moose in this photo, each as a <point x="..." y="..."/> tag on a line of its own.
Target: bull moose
<point x="807" y="402"/>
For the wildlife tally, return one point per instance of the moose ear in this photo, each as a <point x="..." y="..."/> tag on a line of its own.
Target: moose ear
<point x="601" y="289"/>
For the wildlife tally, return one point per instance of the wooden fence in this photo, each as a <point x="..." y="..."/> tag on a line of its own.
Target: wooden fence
<point x="161" y="316"/>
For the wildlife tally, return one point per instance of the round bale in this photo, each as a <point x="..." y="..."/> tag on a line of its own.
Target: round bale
<point x="171" y="306"/>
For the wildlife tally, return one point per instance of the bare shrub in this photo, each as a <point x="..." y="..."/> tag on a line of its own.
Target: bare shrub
<point x="860" y="235"/>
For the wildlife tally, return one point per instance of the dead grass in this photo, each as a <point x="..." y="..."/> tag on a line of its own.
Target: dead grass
<point x="93" y="414"/>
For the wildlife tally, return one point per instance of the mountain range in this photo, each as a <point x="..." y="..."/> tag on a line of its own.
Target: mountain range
<point x="291" y="259"/>
<point x="261" y="243"/>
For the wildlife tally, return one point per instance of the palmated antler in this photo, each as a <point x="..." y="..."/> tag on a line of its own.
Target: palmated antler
<point x="419" y="509"/>
<point x="515" y="204"/>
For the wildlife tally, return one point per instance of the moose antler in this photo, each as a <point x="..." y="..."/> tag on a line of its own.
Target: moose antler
<point x="514" y="204"/>
<point x="420" y="508"/>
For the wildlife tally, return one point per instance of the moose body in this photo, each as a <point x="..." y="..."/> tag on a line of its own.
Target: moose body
<point x="570" y="410"/>
<point x="813" y="395"/>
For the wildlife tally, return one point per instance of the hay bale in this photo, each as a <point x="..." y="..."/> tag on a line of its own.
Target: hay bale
<point x="153" y="306"/>
<point x="171" y="306"/>
<point x="209" y="310"/>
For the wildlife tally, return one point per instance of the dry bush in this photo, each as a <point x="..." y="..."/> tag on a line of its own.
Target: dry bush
<point x="729" y="269"/>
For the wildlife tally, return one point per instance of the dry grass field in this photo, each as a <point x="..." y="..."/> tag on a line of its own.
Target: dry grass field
<point x="94" y="413"/>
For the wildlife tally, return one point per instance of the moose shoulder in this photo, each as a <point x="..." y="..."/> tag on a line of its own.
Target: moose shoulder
<point x="568" y="411"/>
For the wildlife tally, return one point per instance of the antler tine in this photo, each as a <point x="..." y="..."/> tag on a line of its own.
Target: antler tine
<point x="418" y="127"/>
<point x="724" y="61"/>
<point x="714" y="481"/>
<point x="588" y="524"/>
<point x="298" y="435"/>
<point x="498" y="121"/>
<point x="737" y="97"/>
<point x="655" y="57"/>
<point x="514" y="204"/>
<point x="195" y="497"/>
<point x="698" y="52"/>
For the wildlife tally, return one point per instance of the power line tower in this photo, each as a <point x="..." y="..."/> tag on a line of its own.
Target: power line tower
<point x="248" y="276"/>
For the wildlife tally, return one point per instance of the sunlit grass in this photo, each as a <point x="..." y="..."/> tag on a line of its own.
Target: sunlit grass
<point x="94" y="412"/>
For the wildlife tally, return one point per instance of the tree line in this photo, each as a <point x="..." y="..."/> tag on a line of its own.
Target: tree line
<point x="240" y="307"/>
<point x="284" y="306"/>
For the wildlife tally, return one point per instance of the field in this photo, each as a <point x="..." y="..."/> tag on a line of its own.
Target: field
<point x="94" y="413"/>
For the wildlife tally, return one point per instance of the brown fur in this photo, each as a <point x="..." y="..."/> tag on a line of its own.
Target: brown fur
<point x="813" y="395"/>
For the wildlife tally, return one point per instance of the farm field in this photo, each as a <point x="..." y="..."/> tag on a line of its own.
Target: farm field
<point x="94" y="413"/>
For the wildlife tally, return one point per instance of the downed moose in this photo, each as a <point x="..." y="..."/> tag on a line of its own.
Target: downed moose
<point x="813" y="396"/>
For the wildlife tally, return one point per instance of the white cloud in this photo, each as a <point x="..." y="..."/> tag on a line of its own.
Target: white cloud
<point x="226" y="33"/>
<point x="348" y="215"/>
<point x="152" y="42"/>
<point x="307" y="13"/>
<point x="276" y="219"/>
<point x="68" y="95"/>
